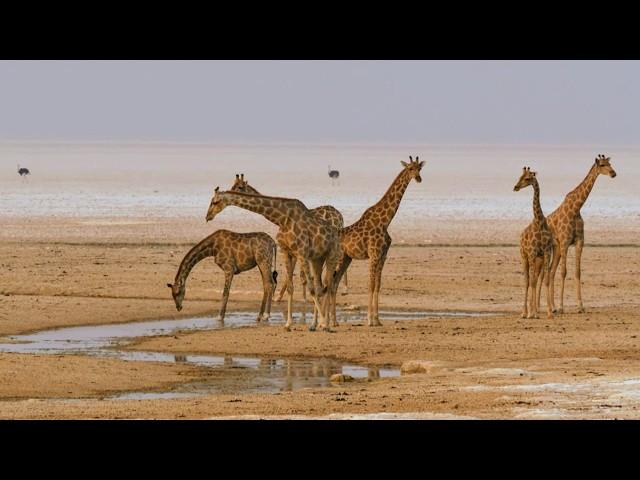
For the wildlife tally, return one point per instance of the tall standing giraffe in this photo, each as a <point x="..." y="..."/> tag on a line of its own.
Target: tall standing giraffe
<point x="567" y="227"/>
<point x="234" y="253"/>
<point x="325" y="212"/>
<point x="368" y="237"/>
<point x="536" y="249"/>
<point x="312" y="241"/>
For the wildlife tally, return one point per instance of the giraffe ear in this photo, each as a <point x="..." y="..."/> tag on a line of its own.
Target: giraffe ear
<point x="404" y="164"/>
<point x="422" y="164"/>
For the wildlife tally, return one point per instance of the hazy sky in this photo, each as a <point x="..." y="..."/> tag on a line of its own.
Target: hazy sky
<point x="553" y="102"/>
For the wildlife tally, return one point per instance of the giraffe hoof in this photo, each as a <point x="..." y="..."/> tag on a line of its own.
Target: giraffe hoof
<point x="581" y="310"/>
<point x="523" y="315"/>
<point x="559" y="311"/>
<point x="287" y="328"/>
<point x="312" y="328"/>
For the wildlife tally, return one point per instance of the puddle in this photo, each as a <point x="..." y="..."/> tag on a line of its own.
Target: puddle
<point x="230" y="374"/>
<point x="88" y="339"/>
<point x="235" y="375"/>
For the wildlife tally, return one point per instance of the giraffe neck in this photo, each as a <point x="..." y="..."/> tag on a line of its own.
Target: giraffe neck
<point x="251" y="190"/>
<point x="275" y="209"/>
<point x="537" y="210"/>
<point x="388" y="205"/>
<point x="582" y="191"/>
<point x="206" y="248"/>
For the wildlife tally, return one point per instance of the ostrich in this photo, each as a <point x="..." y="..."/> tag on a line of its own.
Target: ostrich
<point x="23" y="172"/>
<point x="333" y="174"/>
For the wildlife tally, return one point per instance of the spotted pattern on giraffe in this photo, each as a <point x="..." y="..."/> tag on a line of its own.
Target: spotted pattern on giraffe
<point x="234" y="253"/>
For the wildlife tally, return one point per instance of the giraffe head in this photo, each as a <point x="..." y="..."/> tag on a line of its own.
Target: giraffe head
<point x="414" y="168"/>
<point x="242" y="186"/>
<point x="603" y="166"/>
<point x="216" y="206"/>
<point x="177" y="290"/>
<point x="527" y="178"/>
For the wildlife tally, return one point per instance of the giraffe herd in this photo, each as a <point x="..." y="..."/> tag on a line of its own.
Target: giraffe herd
<point x="318" y="241"/>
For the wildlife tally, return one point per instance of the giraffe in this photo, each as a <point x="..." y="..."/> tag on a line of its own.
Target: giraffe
<point x="536" y="249"/>
<point x="302" y="235"/>
<point x="325" y="212"/>
<point x="234" y="253"/>
<point x="567" y="227"/>
<point x="368" y="237"/>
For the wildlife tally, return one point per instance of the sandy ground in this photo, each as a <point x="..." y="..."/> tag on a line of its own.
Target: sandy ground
<point x="500" y="366"/>
<point x="27" y="377"/>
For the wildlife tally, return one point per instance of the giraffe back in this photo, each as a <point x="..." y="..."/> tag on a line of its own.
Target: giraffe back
<point x="330" y="215"/>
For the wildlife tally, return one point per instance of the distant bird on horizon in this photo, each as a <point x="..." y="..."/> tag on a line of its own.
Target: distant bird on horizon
<point x="333" y="174"/>
<point x="23" y="172"/>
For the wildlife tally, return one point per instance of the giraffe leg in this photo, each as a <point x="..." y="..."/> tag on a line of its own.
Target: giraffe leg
<point x="282" y="290"/>
<point x="579" y="245"/>
<point x="303" y="280"/>
<point x="545" y="272"/>
<point x="346" y="284"/>
<point x="289" y="264"/>
<point x="228" y="276"/>
<point x="286" y="282"/>
<point x="539" y="286"/>
<point x="544" y="278"/>
<point x="332" y="287"/>
<point x="267" y="286"/>
<point x="373" y="267"/>
<point x="317" y="287"/>
<point x="525" y="268"/>
<point x="535" y="274"/>
<point x="563" y="276"/>
<point x="272" y="292"/>
<point x="554" y="267"/>
<point x="343" y="266"/>
<point x="324" y="294"/>
<point x="376" y="291"/>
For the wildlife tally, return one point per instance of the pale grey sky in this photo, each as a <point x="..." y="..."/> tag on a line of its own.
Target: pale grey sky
<point x="487" y="102"/>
